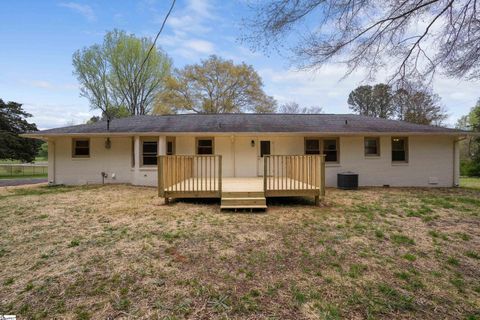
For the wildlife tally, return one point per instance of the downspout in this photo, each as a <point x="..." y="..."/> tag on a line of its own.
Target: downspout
<point x="232" y="150"/>
<point x="53" y="180"/>
<point x="456" y="166"/>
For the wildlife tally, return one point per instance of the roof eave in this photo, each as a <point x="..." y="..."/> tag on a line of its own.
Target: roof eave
<point x="45" y="136"/>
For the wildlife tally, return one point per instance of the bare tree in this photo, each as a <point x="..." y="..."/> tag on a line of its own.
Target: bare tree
<point x="415" y="37"/>
<point x="419" y="106"/>
<point x="293" y="107"/>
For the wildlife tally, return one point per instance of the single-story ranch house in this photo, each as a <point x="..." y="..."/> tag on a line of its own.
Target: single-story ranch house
<point x="254" y="155"/>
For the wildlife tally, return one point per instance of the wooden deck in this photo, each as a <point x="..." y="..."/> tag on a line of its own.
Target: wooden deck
<point x="229" y="184"/>
<point x="240" y="192"/>
<point x="199" y="176"/>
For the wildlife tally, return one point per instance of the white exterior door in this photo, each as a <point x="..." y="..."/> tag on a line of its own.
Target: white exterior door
<point x="264" y="148"/>
<point x="245" y="157"/>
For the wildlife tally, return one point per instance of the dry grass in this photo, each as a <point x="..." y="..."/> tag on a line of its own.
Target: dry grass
<point x="470" y="182"/>
<point x="117" y="252"/>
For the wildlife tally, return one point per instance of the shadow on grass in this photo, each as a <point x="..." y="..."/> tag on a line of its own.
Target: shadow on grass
<point x="291" y="201"/>
<point x="271" y="201"/>
<point x="197" y="201"/>
<point x="276" y="201"/>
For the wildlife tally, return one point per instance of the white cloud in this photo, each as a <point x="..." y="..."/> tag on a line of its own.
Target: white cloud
<point x="326" y="88"/>
<point x="200" y="46"/>
<point x="189" y="29"/>
<point x="201" y="7"/>
<point x="193" y="17"/>
<point x="184" y="24"/>
<point x="43" y="84"/>
<point x="83" y="9"/>
<point x="48" y="116"/>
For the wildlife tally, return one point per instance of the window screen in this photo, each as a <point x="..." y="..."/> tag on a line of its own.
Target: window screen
<point x="264" y="148"/>
<point x="170" y="148"/>
<point x="330" y="150"/>
<point x="204" y="146"/>
<point x="312" y="146"/>
<point x="372" y="147"/>
<point x="81" y="148"/>
<point x="399" y="149"/>
<point x="149" y="153"/>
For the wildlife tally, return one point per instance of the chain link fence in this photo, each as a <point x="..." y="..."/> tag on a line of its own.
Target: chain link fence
<point x="23" y="170"/>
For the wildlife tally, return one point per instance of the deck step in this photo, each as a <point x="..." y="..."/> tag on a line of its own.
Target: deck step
<point x="243" y="200"/>
<point x="242" y="194"/>
<point x="244" y="207"/>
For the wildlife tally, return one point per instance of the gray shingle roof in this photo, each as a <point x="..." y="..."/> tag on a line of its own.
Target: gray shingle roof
<point x="314" y="123"/>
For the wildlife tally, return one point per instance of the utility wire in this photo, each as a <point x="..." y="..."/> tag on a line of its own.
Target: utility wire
<point x="155" y="40"/>
<point x="150" y="50"/>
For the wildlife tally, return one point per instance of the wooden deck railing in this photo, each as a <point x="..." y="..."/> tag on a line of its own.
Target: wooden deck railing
<point x="189" y="175"/>
<point x="294" y="174"/>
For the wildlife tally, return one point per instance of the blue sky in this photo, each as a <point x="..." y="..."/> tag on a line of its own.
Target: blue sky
<point x="38" y="39"/>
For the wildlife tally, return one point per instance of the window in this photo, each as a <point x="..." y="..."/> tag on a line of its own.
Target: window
<point x="312" y="146"/>
<point x="204" y="146"/>
<point x="372" y="147"/>
<point x="170" y="146"/>
<point x="133" y="152"/>
<point x="149" y="152"/>
<point x="399" y="149"/>
<point x="264" y="148"/>
<point x="81" y="148"/>
<point x="330" y="150"/>
<point x="329" y="147"/>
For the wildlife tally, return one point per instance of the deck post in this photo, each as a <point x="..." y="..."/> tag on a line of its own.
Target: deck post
<point x="265" y="174"/>
<point x="322" y="177"/>
<point x="161" y="189"/>
<point x="220" y="175"/>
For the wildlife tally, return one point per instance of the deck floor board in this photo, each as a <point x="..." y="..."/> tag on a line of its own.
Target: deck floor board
<point x="234" y="184"/>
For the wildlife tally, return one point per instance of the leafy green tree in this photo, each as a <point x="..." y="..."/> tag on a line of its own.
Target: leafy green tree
<point x="470" y="148"/>
<point x="116" y="74"/>
<point x="43" y="151"/>
<point x="372" y="101"/>
<point x="214" y="86"/>
<point x="13" y="122"/>
<point x="412" y="103"/>
<point x="360" y="100"/>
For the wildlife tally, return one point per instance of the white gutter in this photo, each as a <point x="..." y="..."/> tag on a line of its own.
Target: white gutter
<point x="52" y="161"/>
<point x="46" y="136"/>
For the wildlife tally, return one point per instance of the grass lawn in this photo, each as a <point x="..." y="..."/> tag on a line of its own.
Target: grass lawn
<point x="117" y="252"/>
<point x="470" y="182"/>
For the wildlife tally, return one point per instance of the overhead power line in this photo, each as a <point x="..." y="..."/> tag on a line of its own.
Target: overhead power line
<point x="155" y="40"/>
<point x="148" y="53"/>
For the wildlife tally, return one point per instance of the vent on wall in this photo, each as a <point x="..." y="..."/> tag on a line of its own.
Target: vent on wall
<point x="432" y="180"/>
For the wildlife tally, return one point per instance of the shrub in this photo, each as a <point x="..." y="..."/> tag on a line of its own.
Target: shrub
<point x="470" y="168"/>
